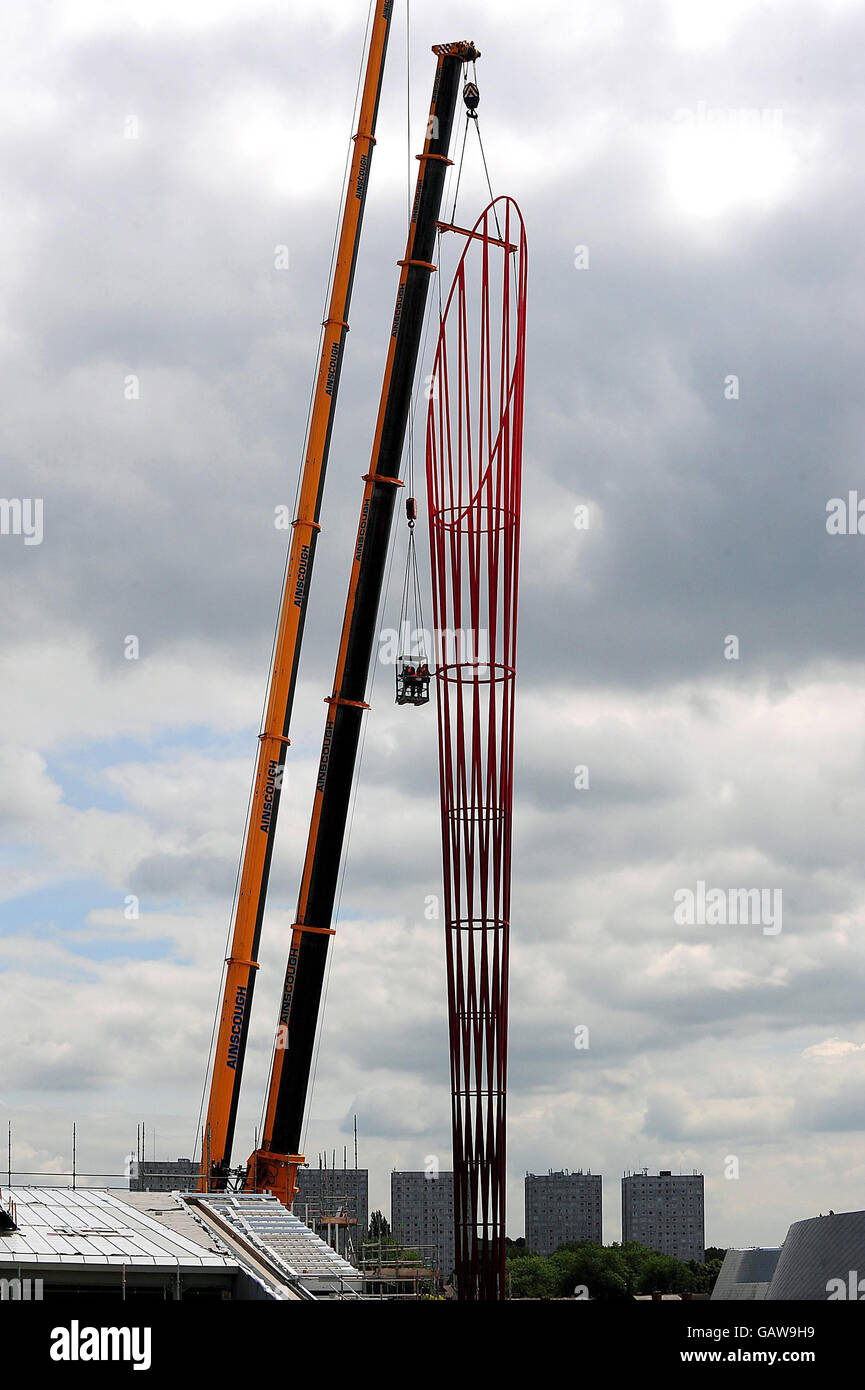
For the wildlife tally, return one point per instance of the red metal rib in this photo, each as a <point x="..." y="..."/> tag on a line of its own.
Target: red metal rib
<point x="474" y="459"/>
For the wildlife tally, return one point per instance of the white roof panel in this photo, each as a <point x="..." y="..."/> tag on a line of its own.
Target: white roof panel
<point x="91" y="1226"/>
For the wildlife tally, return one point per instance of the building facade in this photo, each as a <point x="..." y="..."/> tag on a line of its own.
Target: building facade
<point x="561" y="1207"/>
<point x="163" y="1175"/>
<point x="822" y="1260"/>
<point x="746" y="1274"/>
<point x="422" y="1215"/>
<point x="665" y="1212"/>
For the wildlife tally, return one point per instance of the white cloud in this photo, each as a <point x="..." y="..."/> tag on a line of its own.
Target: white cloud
<point x="833" y="1048"/>
<point x="707" y="517"/>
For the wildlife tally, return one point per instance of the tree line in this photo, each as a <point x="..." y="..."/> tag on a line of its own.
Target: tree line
<point x="607" y="1271"/>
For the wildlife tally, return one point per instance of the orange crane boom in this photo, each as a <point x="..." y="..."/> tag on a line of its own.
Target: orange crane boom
<point x="241" y="962"/>
<point x="274" y="1164"/>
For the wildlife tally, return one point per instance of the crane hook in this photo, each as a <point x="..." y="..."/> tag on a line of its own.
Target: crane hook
<point x="471" y="97"/>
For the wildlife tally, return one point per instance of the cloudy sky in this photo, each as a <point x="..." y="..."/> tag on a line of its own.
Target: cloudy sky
<point x="689" y="176"/>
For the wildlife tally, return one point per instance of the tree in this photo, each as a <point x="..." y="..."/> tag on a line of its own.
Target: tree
<point x="586" y="1265"/>
<point x="706" y="1274"/>
<point x="666" y="1275"/>
<point x="531" y="1276"/>
<point x="378" y="1227"/>
<point x="634" y="1257"/>
<point x="606" y="1272"/>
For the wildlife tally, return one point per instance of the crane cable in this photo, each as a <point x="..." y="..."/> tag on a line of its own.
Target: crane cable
<point x="411" y="636"/>
<point x="471" y="97"/>
<point x="411" y="642"/>
<point x="411" y="632"/>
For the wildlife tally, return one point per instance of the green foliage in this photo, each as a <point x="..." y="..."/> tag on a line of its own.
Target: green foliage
<point x="606" y="1272"/>
<point x="584" y="1265"/>
<point x="664" y="1274"/>
<point x="531" y="1276"/>
<point x="379" y="1228"/>
<point x="705" y="1274"/>
<point x="513" y="1248"/>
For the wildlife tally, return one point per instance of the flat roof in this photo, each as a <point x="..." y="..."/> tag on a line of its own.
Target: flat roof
<point x="94" y="1226"/>
<point x="169" y="1209"/>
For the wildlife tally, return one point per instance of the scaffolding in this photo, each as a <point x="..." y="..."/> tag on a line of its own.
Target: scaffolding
<point x="332" y="1209"/>
<point x="393" y="1271"/>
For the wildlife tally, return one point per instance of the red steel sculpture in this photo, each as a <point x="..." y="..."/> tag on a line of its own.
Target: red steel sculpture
<point x="473" y="465"/>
